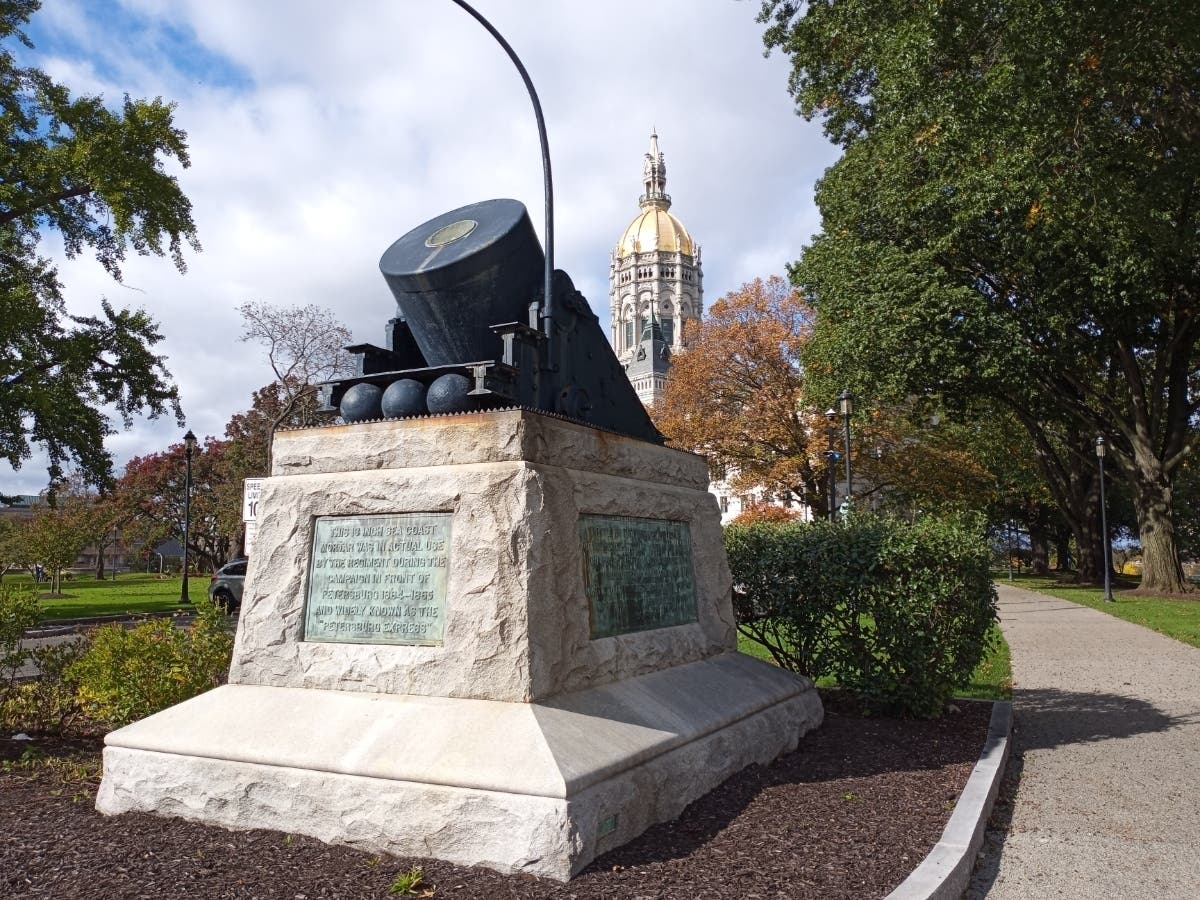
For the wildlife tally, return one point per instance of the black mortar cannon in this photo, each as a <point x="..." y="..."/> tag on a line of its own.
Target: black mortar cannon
<point x="468" y="332"/>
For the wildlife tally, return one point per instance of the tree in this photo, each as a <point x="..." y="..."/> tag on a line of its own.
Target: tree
<point x="1014" y="218"/>
<point x="153" y="487"/>
<point x="305" y="346"/>
<point x="736" y="395"/>
<point x="96" y="176"/>
<point x="56" y="535"/>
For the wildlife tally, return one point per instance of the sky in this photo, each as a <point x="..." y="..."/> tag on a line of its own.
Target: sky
<point x="320" y="132"/>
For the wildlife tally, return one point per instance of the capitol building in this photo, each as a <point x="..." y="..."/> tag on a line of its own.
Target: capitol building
<point x="656" y="284"/>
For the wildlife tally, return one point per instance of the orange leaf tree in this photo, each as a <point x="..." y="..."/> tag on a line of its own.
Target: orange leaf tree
<point x="736" y="394"/>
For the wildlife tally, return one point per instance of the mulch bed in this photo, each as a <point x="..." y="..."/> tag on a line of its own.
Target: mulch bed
<point x="848" y="815"/>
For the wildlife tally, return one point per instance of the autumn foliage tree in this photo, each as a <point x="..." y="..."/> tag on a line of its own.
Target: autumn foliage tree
<point x="153" y="485"/>
<point x="736" y="394"/>
<point x="56" y="535"/>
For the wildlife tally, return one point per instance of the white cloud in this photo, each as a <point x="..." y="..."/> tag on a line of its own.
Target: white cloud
<point x="319" y="133"/>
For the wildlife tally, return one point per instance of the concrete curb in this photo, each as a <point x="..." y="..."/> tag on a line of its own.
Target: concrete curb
<point x="946" y="871"/>
<point x="59" y="627"/>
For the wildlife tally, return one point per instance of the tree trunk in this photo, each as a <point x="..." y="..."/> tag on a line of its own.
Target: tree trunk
<point x="1067" y="463"/>
<point x="100" y="545"/>
<point x="1062" y="549"/>
<point x="1090" y="565"/>
<point x="1039" y="549"/>
<point x="1161" y="570"/>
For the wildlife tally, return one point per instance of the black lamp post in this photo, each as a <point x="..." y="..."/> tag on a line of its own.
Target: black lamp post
<point x="831" y="458"/>
<point x="1101" y="450"/>
<point x="189" y="444"/>
<point x="845" y="404"/>
<point x="1009" y="529"/>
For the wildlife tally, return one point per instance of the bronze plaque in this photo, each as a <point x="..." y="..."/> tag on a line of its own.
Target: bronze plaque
<point x="637" y="573"/>
<point x="378" y="579"/>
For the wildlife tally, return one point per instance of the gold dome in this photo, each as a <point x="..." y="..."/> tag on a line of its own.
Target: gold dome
<point x="655" y="229"/>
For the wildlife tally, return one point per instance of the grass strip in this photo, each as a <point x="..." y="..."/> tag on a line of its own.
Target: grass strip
<point x="1176" y="618"/>
<point x="991" y="680"/>
<point x="132" y="593"/>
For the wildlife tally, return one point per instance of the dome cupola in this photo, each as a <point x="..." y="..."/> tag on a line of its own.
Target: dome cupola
<point x="654" y="228"/>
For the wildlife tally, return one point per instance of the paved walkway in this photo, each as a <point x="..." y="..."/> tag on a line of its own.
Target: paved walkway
<point x="1107" y="749"/>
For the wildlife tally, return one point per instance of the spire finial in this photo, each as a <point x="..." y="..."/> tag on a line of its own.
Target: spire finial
<point x="654" y="175"/>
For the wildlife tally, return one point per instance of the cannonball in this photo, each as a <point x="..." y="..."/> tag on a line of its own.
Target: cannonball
<point x="361" y="402"/>
<point x="448" y="393"/>
<point x="405" y="397"/>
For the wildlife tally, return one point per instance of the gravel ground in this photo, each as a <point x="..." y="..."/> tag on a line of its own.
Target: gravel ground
<point x="848" y="815"/>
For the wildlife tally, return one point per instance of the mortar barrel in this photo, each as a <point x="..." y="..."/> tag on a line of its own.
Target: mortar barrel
<point x="461" y="273"/>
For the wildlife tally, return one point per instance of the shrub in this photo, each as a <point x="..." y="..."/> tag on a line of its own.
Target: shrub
<point x="126" y="675"/>
<point x="899" y="613"/>
<point x="764" y="512"/>
<point x="45" y="704"/>
<point x="18" y="613"/>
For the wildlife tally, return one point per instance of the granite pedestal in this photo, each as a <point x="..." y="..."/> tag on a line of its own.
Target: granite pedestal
<point x="511" y="718"/>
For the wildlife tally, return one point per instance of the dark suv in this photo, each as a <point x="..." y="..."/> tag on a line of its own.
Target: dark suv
<point x="225" y="587"/>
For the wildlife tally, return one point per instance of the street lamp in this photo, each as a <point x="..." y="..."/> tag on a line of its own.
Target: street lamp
<point x="845" y="403"/>
<point x="1101" y="450"/>
<point x="1008" y="528"/>
<point x="831" y="458"/>
<point x="189" y="444"/>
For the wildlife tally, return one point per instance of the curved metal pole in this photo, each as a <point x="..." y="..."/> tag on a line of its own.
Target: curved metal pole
<point x="548" y="309"/>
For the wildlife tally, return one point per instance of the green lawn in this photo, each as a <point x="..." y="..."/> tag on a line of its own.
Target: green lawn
<point x="1179" y="619"/>
<point x="131" y="593"/>
<point x="991" y="680"/>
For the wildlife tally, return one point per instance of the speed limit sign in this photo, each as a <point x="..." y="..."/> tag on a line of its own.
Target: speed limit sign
<point x="251" y="488"/>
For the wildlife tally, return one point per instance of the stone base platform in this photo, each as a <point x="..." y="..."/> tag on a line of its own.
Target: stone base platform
<point x="541" y="788"/>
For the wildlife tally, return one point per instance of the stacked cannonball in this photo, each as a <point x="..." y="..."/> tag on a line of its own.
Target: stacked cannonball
<point x="407" y="397"/>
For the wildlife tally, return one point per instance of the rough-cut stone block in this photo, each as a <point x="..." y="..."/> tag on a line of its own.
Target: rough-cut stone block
<point x="517" y="624"/>
<point x="501" y="436"/>
<point x="513" y="786"/>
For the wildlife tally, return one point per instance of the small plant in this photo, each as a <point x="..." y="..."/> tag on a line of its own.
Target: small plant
<point x="126" y="675"/>
<point x="69" y="770"/>
<point x="851" y="797"/>
<point x="18" y="613"/>
<point x="407" y="882"/>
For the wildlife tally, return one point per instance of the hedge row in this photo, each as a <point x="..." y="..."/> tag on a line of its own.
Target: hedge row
<point x="897" y="612"/>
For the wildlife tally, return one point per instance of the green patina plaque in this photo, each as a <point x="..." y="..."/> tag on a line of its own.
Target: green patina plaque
<point x="637" y="573"/>
<point x="378" y="579"/>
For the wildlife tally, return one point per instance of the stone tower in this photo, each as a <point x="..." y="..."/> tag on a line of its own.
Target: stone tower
<point x="655" y="284"/>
